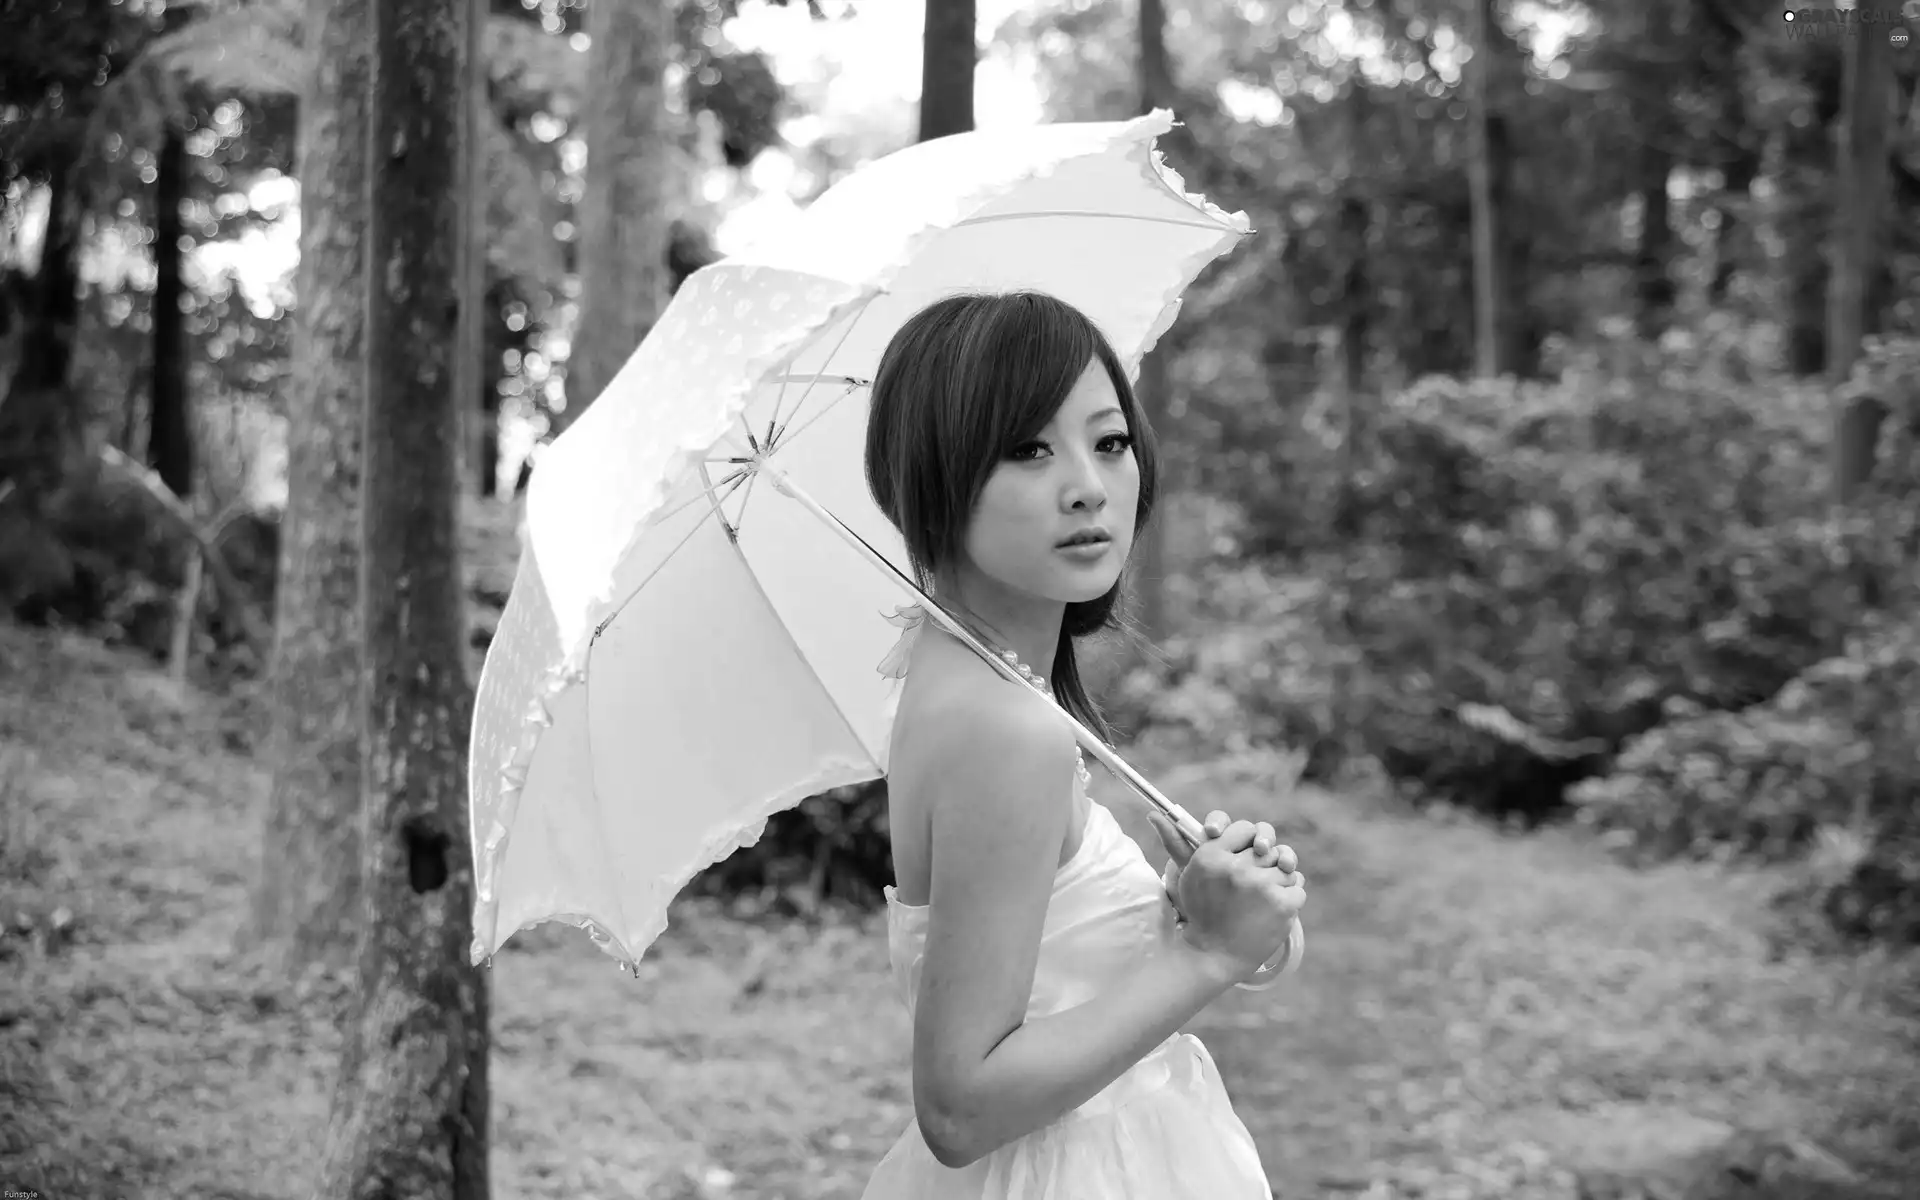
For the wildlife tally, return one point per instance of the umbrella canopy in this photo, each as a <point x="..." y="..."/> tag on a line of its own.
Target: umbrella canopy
<point x="690" y="643"/>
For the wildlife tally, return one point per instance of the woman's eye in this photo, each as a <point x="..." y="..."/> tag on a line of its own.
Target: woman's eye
<point x="1112" y="443"/>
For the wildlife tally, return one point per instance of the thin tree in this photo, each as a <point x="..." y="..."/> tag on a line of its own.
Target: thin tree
<point x="306" y="898"/>
<point x="472" y="374"/>
<point x="625" y="211"/>
<point x="170" y="441"/>
<point x="1489" y="282"/>
<point x="1862" y="185"/>
<point x="410" y="1112"/>
<point x="949" y="52"/>
<point x="1154" y="385"/>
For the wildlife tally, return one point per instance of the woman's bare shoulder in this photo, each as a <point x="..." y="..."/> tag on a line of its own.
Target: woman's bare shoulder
<point x="961" y="710"/>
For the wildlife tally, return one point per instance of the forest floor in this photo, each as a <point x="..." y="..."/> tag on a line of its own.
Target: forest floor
<point x="1480" y="1014"/>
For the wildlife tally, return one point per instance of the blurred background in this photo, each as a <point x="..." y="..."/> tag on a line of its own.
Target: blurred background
<point x="1542" y="474"/>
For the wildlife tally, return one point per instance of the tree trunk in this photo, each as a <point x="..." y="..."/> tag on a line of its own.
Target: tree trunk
<point x="473" y="372"/>
<point x="495" y="338"/>
<point x="624" y="218"/>
<point x="1860" y="242"/>
<point x="170" y="443"/>
<point x="489" y="435"/>
<point x="307" y="896"/>
<point x="410" y="1113"/>
<point x="1654" y="288"/>
<point x="948" y="54"/>
<point x="1483" y="172"/>
<point x="1803" y="212"/>
<point x="1355" y="226"/>
<point x="39" y="424"/>
<point x="46" y="350"/>
<point x="1154" y="386"/>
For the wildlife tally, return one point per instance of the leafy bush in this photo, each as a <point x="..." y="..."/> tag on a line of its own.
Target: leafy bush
<point x="830" y="847"/>
<point x="1256" y="671"/>
<point x="84" y="551"/>
<point x="1824" y="771"/>
<point x="1583" y="551"/>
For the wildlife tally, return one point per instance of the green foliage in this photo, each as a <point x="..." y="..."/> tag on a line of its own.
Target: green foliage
<point x="1517" y="582"/>
<point x="1825" y="770"/>
<point x="1655" y="529"/>
<point x="1257" y="672"/>
<point x="82" y="549"/>
<point x="831" y="847"/>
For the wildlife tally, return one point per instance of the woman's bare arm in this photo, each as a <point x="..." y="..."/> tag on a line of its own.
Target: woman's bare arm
<point x="1001" y="778"/>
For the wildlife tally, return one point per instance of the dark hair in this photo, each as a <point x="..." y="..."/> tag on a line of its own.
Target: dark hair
<point x="962" y="382"/>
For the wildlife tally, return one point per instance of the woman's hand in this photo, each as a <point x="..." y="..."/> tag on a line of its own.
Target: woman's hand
<point x="1267" y="851"/>
<point x="1238" y="891"/>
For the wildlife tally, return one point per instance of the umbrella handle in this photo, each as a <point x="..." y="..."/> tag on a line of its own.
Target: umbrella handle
<point x="1191" y="830"/>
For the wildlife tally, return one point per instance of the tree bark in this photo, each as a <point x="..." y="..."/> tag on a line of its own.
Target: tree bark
<point x="624" y="217"/>
<point x="410" y="1113"/>
<point x="474" y="373"/>
<point x="949" y="52"/>
<point x="46" y="350"/>
<point x="1356" y="293"/>
<point x="170" y="442"/>
<point x="1654" y="288"/>
<point x="1154" y="386"/>
<point x="39" y="425"/>
<point x="1489" y="263"/>
<point x="1859" y="233"/>
<point x="1803" y="209"/>
<point x="307" y="896"/>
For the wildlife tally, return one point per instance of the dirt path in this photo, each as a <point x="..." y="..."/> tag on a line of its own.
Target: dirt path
<point x="1483" y="1014"/>
<point x="1480" y="1016"/>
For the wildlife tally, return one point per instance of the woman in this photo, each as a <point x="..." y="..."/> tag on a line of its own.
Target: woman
<point x="1047" y="966"/>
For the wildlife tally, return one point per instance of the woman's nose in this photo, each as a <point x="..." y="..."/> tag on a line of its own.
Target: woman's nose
<point x="1085" y="488"/>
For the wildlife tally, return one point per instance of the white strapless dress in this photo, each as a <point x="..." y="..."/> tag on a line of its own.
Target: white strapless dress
<point x="1165" y="1129"/>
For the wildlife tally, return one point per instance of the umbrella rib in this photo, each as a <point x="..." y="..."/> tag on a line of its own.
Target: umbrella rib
<point x="751" y="474"/>
<point x="776" y="430"/>
<point x="733" y="479"/>
<point x="773" y="435"/>
<point x="719" y="514"/>
<point x="1083" y="214"/>
<point x="753" y="580"/>
<point x="853" y="385"/>
<point x="660" y="566"/>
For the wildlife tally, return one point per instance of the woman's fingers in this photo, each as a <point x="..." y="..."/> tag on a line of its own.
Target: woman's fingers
<point x="1236" y="837"/>
<point x="1176" y="846"/>
<point x="1262" y="837"/>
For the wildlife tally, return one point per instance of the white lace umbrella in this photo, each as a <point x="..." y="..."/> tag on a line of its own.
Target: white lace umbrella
<point x="690" y="648"/>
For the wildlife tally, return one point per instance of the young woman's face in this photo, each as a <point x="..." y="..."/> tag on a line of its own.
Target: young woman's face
<point x="1076" y="478"/>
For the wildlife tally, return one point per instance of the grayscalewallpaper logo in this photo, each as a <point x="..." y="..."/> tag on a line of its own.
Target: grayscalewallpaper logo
<point x="1897" y="24"/>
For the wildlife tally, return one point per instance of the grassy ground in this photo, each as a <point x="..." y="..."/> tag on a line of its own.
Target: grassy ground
<point x="1480" y="1015"/>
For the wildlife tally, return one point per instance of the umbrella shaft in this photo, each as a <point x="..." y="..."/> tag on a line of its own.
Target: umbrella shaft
<point x="1190" y="829"/>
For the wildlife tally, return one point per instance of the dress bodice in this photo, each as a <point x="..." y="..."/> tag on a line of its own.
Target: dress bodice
<point x="1108" y="912"/>
<point x="1109" y="908"/>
